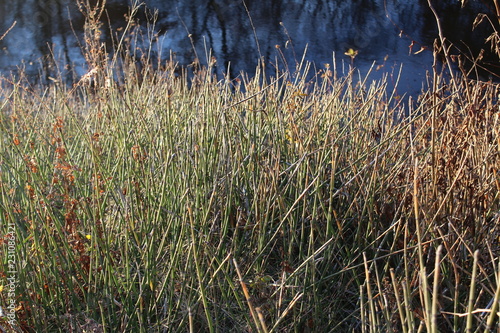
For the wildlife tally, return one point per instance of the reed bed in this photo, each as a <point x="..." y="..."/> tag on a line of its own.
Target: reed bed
<point x="159" y="201"/>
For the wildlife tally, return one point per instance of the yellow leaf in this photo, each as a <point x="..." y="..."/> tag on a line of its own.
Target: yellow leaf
<point x="351" y="53"/>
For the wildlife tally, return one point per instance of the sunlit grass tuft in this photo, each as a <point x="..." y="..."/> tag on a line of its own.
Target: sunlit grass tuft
<point x="278" y="203"/>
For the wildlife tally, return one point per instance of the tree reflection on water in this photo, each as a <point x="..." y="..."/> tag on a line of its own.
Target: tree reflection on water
<point x="377" y="29"/>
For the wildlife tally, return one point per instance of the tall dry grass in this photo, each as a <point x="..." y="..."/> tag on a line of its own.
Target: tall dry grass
<point x="296" y="203"/>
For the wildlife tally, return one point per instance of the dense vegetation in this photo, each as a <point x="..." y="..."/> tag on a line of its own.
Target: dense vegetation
<point x="145" y="199"/>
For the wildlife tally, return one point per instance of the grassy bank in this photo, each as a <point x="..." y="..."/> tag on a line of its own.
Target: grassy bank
<point x="289" y="205"/>
<point x="144" y="200"/>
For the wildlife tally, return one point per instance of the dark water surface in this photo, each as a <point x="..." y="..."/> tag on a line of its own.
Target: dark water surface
<point x="380" y="31"/>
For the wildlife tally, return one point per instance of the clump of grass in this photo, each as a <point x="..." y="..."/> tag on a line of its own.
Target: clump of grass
<point x="170" y="202"/>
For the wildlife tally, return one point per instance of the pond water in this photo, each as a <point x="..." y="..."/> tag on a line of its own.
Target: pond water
<point x="387" y="32"/>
